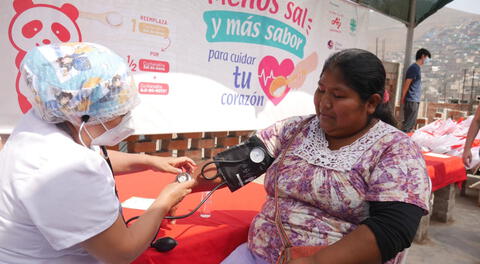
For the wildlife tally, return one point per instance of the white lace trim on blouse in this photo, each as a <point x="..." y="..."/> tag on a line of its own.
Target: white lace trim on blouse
<point x="314" y="148"/>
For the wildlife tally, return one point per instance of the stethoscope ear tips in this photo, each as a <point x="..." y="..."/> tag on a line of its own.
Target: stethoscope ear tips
<point x="164" y="244"/>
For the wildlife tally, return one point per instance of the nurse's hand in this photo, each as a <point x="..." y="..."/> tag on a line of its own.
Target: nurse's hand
<point x="174" y="193"/>
<point x="172" y="212"/>
<point x="170" y="164"/>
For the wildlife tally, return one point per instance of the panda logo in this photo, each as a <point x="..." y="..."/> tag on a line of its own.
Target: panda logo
<point x="40" y="24"/>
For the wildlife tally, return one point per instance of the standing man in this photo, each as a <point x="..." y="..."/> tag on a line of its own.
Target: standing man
<point x="412" y="90"/>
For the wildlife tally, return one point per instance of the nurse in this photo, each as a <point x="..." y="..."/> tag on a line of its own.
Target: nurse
<point x="58" y="202"/>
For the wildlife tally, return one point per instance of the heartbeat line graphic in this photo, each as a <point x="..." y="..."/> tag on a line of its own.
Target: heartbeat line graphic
<point x="266" y="78"/>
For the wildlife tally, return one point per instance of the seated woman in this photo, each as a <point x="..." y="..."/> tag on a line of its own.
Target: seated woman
<point x="347" y="179"/>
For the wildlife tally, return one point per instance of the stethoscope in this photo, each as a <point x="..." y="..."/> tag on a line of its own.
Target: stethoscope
<point x="165" y="244"/>
<point x="183" y="177"/>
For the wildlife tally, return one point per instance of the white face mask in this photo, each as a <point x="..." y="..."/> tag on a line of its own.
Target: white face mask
<point x="112" y="137"/>
<point x="427" y="61"/>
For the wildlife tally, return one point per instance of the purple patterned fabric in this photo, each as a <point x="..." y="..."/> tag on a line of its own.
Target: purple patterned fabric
<point x="243" y="255"/>
<point x="320" y="204"/>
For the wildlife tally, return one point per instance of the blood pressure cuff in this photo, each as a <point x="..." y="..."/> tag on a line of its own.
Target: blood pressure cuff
<point x="243" y="163"/>
<point x="394" y="225"/>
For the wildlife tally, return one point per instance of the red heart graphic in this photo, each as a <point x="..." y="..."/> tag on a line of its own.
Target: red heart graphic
<point x="268" y="70"/>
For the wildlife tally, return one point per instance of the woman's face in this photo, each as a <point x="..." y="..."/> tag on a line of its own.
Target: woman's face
<point x="339" y="108"/>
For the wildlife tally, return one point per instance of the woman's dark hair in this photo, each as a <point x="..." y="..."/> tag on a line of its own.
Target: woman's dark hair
<point x="364" y="72"/>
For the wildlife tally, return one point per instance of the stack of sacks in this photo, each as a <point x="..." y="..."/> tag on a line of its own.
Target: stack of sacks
<point x="447" y="137"/>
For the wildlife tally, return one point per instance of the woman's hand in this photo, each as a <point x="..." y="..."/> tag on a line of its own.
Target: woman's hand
<point x="202" y="184"/>
<point x="174" y="193"/>
<point x="172" y="165"/>
<point x="467" y="157"/>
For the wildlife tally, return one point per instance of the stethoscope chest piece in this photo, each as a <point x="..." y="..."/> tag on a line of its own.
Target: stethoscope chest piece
<point x="183" y="177"/>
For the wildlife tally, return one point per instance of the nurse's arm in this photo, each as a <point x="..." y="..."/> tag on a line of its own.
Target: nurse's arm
<point x="132" y="162"/>
<point x="121" y="244"/>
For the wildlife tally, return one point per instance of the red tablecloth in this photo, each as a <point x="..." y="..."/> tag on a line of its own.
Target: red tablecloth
<point x="200" y="240"/>
<point x="210" y="240"/>
<point x="444" y="170"/>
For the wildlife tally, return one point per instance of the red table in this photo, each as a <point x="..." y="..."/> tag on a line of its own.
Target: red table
<point x="200" y="240"/>
<point x="444" y="170"/>
<point x="210" y="240"/>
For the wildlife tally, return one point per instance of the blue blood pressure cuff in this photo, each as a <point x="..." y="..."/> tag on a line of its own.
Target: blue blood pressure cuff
<point x="243" y="163"/>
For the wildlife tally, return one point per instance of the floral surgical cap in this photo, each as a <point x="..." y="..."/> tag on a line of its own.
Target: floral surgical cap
<point x="66" y="81"/>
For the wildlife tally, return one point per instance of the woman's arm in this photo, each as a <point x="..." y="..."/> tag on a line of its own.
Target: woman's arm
<point x="360" y="246"/>
<point x="122" y="244"/>
<point x="393" y="226"/>
<point x="129" y="162"/>
<point x="238" y="165"/>
<point x="201" y="184"/>
<point x="472" y="133"/>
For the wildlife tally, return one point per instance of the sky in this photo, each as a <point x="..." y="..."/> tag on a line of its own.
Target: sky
<point x="471" y="6"/>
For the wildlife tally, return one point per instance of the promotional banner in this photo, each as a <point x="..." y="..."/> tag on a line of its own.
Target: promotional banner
<point x="202" y="65"/>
